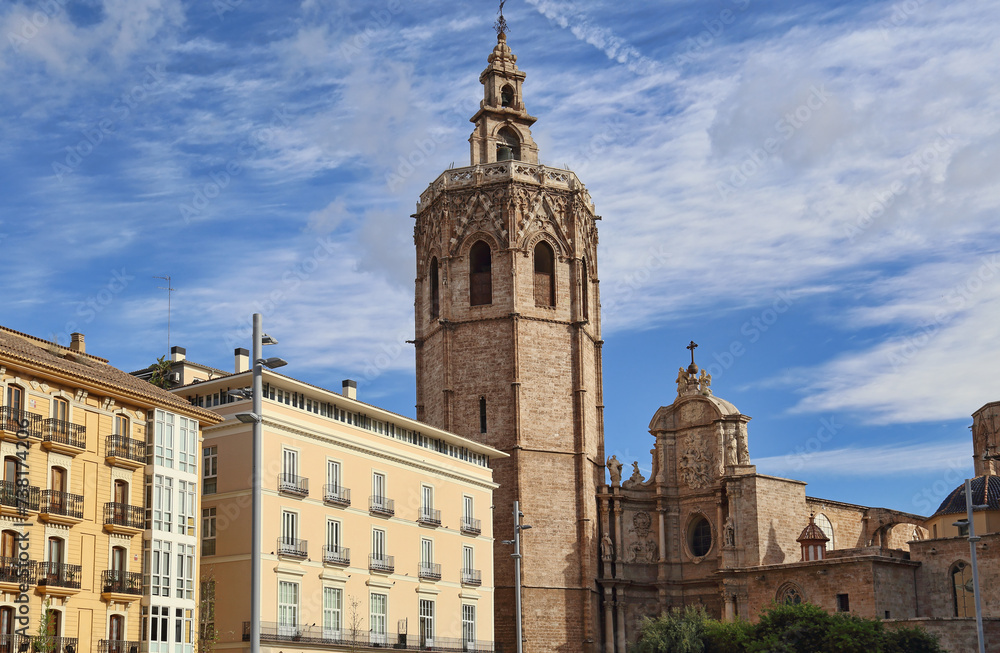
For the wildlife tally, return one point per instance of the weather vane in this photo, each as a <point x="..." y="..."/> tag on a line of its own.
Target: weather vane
<point x="501" y="24"/>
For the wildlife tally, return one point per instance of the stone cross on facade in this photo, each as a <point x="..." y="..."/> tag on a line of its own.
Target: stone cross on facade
<point x="692" y="347"/>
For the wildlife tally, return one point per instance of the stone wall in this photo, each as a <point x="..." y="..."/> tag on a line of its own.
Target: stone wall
<point x="955" y="635"/>
<point x="937" y="557"/>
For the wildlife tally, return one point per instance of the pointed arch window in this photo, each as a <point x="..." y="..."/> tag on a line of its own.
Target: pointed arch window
<point x="585" y="290"/>
<point x="545" y="278"/>
<point x="435" y="289"/>
<point x="508" y="145"/>
<point x="480" y="274"/>
<point x="827" y="527"/>
<point x="961" y="580"/>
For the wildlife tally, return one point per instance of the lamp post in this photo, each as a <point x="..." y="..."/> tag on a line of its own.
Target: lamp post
<point x="518" y="527"/>
<point x="973" y="539"/>
<point x="255" y="418"/>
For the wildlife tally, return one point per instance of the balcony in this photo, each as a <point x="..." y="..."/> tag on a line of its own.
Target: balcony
<point x="58" y="578"/>
<point x="123" y="519"/>
<point x="335" y="495"/>
<point x="118" y="646"/>
<point x="63" y="437"/>
<point x="381" y="506"/>
<point x="357" y="640"/>
<point x="123" y="451"/>
<point x="56" y="644"/>
<point x="385" y="564"/>
<point x="11" y="643"/>
<point x="429" y="517"/>
<point x="14" y="573"/>
<point x="61" y="508"/>
<point x="472" y="577"/>
<point x="429" y="571"/>
<point x="295" y="485"/>
<point x="292" y="548"/>
<point x="18" y="501"/>
<point x="336" y="555"/>
<point x="471" y="526"/>
<point x="13" y="422"/>
<point x="121" y="586"/>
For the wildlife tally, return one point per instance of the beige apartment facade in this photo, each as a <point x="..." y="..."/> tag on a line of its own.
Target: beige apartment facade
<point x="377" y="529"/>
<point x="73" y="435"/>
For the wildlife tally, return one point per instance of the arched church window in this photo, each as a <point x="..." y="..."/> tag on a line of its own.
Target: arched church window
<point x="480" y="274"/>
<point x="545" y="278"/>
<point x="508" y="145"/>
<point x="585" y="290"/>
<point x="700" y="537"/>
<point x="507" y="96"/>
<point x="789" y="594"/>
<point x="824" y="525"/>
<point x="961" y="582"/>
<point x="435" y="289"/>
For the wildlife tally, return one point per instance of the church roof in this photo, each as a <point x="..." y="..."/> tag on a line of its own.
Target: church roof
<point x="812" y="533"/>
<point x="985" y="492"/>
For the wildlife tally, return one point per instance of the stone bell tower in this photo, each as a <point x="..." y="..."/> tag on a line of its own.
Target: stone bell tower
<point x="508" y="353"/>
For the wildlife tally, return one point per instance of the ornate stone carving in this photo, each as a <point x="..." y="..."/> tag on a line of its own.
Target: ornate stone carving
<point x="641" y="523"/>
<point x="695" y="466"/>
<point x="744" y="448"/>
<point x="607" y="549"/>
<point x="615" y="469"/>
<point x="636" y="478"/>
<point x="731" y="445"/>
<point x="730" y="533"/>
<point x="705" y="383"/>
<point x="652" y="551"/>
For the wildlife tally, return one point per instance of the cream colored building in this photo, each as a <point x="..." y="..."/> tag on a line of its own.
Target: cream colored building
<point x="73" y="440"/>
<point x="377" y="529"/>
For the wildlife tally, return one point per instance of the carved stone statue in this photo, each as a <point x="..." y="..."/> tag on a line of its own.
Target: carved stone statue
<point x="682" y="380"/>
<point x="731" y="446"/>
<point x="607" y="549"/>
<point x="730" y="532"/>
<point x="705" y="383"/>
<point x="636" y="478"/>
<point x="615" y="469"/>
<point x="744" y="448"/>
<point x="652" y="551"/>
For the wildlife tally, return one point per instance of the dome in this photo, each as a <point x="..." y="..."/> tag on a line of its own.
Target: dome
<point x="981" y="485"/>
<point x="812" y="533"/>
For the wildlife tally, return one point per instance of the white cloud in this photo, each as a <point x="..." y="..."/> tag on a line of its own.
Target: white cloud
<point x="877" y="461"/>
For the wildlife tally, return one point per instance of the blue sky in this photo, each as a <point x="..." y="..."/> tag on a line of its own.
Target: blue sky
<point x="808" y="190"/>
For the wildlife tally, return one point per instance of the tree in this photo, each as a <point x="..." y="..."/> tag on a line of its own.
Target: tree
<point x="677" y="631"/>
<point x="208" y="635"/>
<point x="355" y="622"/>
<point x="161" y="373"/>
<point x="44" y="641"/>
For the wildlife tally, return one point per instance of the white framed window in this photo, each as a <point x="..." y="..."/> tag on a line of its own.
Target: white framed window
<point x="333" y="603"/>
<point x="378" y="617"/>
<point x="426" y="623"/>
<point x="289" y="527"/>
<point x="469" y="626"/>
<point x="468" y="510"/>
<point x="185" y="507"/>
<point x="333" y="481"/>
<point x="427" y="502"/>
<point x="378" y="487"/>
<point x="288" y="608"/>
<point x="160" y="568"/>
<point x="122" y="426"/>
<point x="163" y="439"/>
<point x="208" y="531"/>
<point x="426" y="551"/>
<point x="468" y="558"/>
<point x="210" y="470"/>
<point x="378" y="544"/>
<point x="290" y="462"/>
<point x="187" y="440"/>
<point x="163" y="492"/>
<point x="333" y="530"/>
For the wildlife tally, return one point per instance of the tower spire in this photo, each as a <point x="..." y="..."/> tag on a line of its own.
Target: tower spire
<point x="501" y="24"/>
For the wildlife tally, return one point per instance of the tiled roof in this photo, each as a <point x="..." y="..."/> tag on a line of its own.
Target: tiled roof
<point x="983" y="494"/>
<point x="812" y="533"/>
<point x="21" y="348"/>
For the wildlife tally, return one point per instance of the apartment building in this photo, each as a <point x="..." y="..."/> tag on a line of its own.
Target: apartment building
<point x="73" y="438"/>
<point x="377" y="529"/>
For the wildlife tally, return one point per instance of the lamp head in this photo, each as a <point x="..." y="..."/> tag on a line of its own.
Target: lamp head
<point x="248" y="418"/>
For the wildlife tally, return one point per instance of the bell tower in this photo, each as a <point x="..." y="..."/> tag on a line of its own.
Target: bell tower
<point x="508" y="353"/>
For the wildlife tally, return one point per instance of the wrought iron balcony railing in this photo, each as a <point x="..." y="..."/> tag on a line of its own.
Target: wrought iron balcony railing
<point x="336" y="495"/>
<point x="430" y="571"/>
<point x="429" y="517"/>
<point x="336" y="555"/>
<point x="59" y="574"/>
<point x="118" y="646"/>
<point x="381" y="506"/>
<point x="12" y="421"/>
<point x="116" y="581"/>
<point x="55" y="644"/>
<point x="11" y="643"/>
<point x="292" y="484"/>
<point x="25" y="497"/>
<point x="121" y="446"/>
<point x="471" y="526"/>
<point x="289" y="546"/>
<point x="472" y="577"/>
<point x="63" y="432"/>
<point x="15" y="570"/>
<point x="383" y="563"/>
<point x="55" y="502"/>
<point x="123" y="514"/>
<point x="358" y="639"/>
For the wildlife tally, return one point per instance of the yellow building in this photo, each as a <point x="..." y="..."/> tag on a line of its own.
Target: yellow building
<point x="377" y="529"/>
<point x="73" y="431"/>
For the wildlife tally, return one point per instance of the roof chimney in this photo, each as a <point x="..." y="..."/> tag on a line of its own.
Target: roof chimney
<point x="242" y="359"/>
<point x="350" y="389"/>
<point x="78" y="343"/>
<point x="177" y="354"/>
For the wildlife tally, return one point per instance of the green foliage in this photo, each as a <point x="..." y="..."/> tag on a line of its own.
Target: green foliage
<point x="161" y="373"/>
<point x="783" y="628"/>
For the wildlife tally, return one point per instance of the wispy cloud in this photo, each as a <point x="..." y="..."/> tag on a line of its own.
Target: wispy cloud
<point x="878" y="461"/>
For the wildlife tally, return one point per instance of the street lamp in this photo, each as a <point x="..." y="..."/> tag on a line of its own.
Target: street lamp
<point x="518" y="527"/>
<point x="973" y="539"/>
<point x="254" y="417"/>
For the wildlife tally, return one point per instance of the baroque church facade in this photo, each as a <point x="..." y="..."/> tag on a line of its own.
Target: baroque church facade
<point x="508" y="353"/>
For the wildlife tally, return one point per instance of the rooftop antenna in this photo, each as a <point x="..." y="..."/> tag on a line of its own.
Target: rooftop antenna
<point x="170" y="289"/>
<point x="501" y="25"/>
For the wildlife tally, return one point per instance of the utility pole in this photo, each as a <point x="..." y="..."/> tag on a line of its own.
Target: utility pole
<point x="973" y="540"/>
<point x="518" y="527"/>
